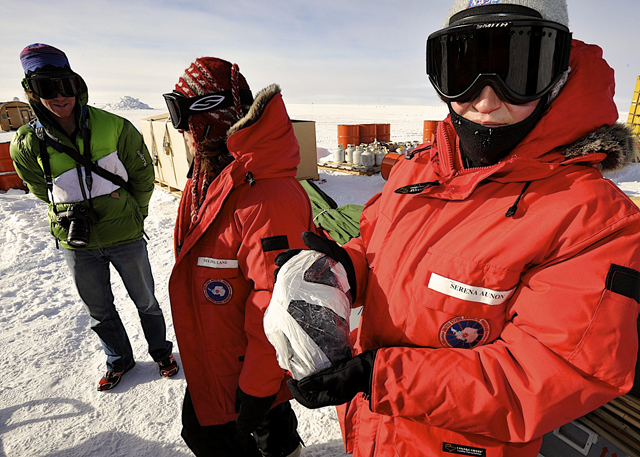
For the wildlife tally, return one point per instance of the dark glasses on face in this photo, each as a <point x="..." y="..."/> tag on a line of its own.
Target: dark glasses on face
<point x="181" y="107"/>
<point x="48" y="87"/>
<point x="521" y="59"/>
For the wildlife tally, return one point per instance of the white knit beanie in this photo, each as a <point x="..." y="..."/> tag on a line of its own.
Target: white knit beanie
<point x="550" y="10"/>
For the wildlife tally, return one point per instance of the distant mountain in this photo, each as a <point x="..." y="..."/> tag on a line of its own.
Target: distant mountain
<point x="126" y="102"/>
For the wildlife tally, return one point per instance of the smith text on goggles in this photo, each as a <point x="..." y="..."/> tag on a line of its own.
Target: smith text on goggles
<point x="521" y="59"/>
<point x="181" y="107"/>
<point x="48" y="87"/>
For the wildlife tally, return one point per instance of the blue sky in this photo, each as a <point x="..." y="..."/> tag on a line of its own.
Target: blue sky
<point x="330" y="51"/>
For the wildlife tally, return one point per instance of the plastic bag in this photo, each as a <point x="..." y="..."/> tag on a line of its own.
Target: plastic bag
<point x="307" y="320"/>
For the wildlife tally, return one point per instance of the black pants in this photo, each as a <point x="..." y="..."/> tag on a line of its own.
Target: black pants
<point x="275" y="437"/>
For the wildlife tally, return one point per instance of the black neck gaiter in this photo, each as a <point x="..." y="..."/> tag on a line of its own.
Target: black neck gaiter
<point x="483" y="146"/>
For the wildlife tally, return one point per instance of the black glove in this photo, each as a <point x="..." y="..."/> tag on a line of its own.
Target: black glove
<point x="283" y="258"/>
<point x="337" y="384"/>
<point x="329" y="248"/>
<point x="252" y="411"/>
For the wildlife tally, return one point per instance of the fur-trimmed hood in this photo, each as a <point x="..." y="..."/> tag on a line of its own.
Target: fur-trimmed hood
<point x="263" y="142"/>
<point x="617" y="141"/>
<point x="260" y="102"/>
<point x="580" y="125"/>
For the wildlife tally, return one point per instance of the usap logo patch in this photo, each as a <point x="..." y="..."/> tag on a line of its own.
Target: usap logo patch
<point x="464" y="333"/>
<point x="218" y="291"/>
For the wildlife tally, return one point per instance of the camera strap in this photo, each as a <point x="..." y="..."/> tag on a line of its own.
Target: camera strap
<point x="75" y="155"/>
<point x="46" y="166"/>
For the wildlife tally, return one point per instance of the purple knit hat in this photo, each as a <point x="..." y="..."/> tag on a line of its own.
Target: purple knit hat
<point x="38" y="55"/>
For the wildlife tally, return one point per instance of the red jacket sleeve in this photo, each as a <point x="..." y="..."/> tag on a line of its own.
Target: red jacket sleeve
<point x="279" y="217"/>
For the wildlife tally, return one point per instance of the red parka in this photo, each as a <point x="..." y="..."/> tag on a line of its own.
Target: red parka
<point x="224" y="272"/>
<point x="502" y="300"/>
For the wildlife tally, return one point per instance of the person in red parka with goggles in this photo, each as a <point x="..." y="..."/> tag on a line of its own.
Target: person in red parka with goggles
<point x="241" y="207"/>
<point x="498" y="269"/>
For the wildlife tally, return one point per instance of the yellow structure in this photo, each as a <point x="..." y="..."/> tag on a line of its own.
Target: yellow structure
<point x="633" y="121"/>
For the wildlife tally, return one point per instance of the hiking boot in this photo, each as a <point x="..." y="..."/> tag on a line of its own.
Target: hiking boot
<point x="111" y="379"/>
<point x="168" y="367"/>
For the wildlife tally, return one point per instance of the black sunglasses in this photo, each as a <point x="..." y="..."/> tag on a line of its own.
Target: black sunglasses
<point x="48" y="87"/>
<point x="181" y="107"/>
<point x="521" y="59"/>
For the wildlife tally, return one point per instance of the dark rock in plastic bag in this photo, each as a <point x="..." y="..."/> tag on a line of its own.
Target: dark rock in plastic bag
<point x="320" y="272"/>
<point x="327" y="329"/>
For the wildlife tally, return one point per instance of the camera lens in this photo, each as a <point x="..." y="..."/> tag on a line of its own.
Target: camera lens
<point x="78" y="233"/>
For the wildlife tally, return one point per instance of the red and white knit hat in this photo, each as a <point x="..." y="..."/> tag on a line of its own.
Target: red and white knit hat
<point x="209" y="75"/>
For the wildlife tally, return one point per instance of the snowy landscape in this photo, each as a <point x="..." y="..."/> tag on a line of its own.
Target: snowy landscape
<point x="51" y="361"/>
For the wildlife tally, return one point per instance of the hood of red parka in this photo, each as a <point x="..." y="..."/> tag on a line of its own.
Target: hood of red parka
<point x="263" y="141"/>
<point x="578" y="127"/>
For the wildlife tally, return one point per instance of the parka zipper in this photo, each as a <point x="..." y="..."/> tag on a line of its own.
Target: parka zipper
<point x="512" y="210"/>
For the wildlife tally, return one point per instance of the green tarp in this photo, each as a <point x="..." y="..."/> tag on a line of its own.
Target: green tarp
<point x="341" y="223"/>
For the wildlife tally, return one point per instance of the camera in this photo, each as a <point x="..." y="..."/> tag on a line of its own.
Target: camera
<point x="77" y="219"/>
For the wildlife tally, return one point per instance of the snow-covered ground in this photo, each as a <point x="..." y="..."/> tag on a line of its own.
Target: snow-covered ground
<point x="50" y="361"/>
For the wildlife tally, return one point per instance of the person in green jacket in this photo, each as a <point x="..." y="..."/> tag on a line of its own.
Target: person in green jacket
<point x="98" y="215"/>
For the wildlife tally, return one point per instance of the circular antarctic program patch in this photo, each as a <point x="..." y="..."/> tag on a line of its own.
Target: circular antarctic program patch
<point x="464" y="333"/>
<point x="218" y="291"/>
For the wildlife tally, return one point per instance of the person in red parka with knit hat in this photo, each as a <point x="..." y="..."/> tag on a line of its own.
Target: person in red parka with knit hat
<point x="240" y="208"/>
<point x="497" y="269"/>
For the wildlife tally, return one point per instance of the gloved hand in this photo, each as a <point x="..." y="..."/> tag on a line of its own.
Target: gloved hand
<point x="337" y="384"/>
<point x="252" y="411"/>
<point x="329" y="248"/>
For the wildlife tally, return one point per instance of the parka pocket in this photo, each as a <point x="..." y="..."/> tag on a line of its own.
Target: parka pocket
<point x="132" y="206"/>
<point x="227" y="364"/>
<point x="612" y="324"/>
<point x="464" y="299"/>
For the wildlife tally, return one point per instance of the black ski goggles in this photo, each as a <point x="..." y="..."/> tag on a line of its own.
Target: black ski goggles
<point x="181" y="107"/>
<point x="48" y="87"/>
<point x="521" y="59"/>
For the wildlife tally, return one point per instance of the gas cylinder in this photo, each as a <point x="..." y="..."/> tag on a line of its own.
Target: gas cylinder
<point x="368" y="158"/>
<point x="380" y="153"/>
<point x="348" y="153"/>
<point x="338" y="154"/>
<point x="357" y="155"/>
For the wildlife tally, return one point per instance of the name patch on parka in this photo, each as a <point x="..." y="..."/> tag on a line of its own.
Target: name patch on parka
<point x="217" y="263"/>
<point x="467" y="292"/>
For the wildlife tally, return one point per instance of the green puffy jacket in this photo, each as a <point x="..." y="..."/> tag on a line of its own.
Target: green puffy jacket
<point x="116" y="145"/>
